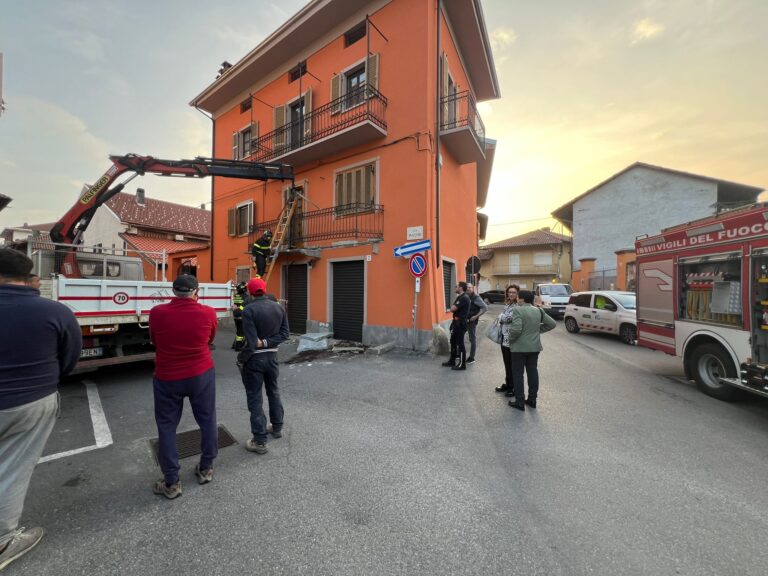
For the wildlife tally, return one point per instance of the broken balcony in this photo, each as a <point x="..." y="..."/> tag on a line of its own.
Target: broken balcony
<point x="462" y="131"/>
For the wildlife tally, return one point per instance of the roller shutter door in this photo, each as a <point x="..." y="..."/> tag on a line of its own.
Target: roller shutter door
<point x="296" y="292"/>
<point x="348" y="300"/>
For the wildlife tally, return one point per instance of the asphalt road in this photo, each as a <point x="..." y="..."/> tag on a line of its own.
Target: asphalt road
<point x="395" y="465"/>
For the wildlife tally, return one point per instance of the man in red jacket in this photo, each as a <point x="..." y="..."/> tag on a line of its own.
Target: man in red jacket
<point x="182" y="331"/>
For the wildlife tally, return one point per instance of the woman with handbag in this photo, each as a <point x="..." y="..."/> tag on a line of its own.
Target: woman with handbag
<point x="505" y="321"/>
<point x="524" y="344"/>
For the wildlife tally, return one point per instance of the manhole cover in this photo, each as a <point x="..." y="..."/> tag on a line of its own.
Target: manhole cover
<point x="188" y="443"/>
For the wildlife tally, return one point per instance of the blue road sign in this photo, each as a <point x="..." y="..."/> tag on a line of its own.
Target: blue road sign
<point x="417" y="265"/>
<point x="413" y="247"/>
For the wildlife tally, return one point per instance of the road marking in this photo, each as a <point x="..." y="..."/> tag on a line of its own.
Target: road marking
<point x="101" y="432"/>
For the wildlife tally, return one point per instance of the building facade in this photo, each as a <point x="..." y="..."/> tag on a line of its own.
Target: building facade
<point x="374" y="105"/>
<point x="532" y="258"/>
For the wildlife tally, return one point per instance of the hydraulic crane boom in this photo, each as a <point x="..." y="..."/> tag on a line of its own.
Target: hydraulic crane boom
<point x="70" y="228"/>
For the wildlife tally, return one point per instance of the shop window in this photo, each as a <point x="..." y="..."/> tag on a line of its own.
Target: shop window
<point x="710" y="289"/>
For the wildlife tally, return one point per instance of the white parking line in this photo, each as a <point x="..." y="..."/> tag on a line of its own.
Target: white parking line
<point x="101" y="432"/>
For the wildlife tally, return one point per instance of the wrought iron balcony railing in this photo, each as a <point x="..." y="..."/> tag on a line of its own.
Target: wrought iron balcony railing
<point x="460" y="111"/>
<point x="347" y="221"/>
<point x="355" y="107"/>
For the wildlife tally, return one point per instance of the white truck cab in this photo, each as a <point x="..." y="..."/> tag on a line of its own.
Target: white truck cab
<point x="553" y="298"/>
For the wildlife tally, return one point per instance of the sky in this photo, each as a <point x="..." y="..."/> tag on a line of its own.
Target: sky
<point x="587" y="88"/>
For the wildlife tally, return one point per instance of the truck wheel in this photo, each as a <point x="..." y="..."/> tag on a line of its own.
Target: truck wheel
<point x="709" y="362"/>
<point x="571" y="325"/>
<point x="628" y="334"/>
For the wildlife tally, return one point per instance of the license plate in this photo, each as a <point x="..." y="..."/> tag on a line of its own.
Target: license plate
<point x="91" y="352"/>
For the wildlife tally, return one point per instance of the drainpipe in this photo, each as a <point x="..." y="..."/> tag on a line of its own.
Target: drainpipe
<point x="437" y="140"/>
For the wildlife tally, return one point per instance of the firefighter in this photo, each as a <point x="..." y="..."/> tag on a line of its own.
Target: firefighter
<point x="239" y="303"/>
<point x="260" y="252"/>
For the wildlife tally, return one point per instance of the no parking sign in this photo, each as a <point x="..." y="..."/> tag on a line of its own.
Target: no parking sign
<point x="417" y="265"/>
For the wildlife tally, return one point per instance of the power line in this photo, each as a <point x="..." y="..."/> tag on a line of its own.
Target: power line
<point x="522" y="221"/>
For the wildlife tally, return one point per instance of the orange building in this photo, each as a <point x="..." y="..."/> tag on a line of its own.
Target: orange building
<point x="374" y="105"/>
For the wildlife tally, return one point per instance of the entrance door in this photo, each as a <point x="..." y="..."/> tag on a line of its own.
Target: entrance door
<point x="348" y="300"/>
<point x="296" y="294"/>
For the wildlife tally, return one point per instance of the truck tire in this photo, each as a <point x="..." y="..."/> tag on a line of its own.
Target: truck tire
<point x="707" y="363"/>
<point x="628" y="334"/>
<point x="571" y="325"/>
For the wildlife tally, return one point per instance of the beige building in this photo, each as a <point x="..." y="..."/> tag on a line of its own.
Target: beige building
<point x="531" y="258"/>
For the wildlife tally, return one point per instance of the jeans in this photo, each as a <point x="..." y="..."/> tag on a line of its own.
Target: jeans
<point x="169" y="404"/>
<point x="262" y="369"/>
<point x="24" y="430"/>
<point x="472" y="329"/>
<point x="527" y="361"/>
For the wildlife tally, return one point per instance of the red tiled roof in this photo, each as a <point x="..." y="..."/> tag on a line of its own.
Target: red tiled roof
<point x="535" y="238"/>
<point x="161" y="215"/>
<point x="145" y="244"/>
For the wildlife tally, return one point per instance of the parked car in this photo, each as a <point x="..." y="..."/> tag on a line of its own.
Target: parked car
<point x="492" y="296"/>
<point x="553" y="298"/>
<point x="607" y="311"/>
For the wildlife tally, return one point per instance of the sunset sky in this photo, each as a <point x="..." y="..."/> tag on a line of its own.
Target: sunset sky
<point x="587" y="88"/>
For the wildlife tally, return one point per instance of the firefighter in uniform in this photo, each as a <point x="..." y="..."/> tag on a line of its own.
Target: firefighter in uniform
<point x="239" y="303"/>
<point x="260" y="253"/>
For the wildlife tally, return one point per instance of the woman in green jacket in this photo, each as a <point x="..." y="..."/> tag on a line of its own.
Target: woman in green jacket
<point x="524" y="342"/>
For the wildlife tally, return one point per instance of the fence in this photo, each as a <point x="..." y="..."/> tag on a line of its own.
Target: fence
<point x="603" y="279"/>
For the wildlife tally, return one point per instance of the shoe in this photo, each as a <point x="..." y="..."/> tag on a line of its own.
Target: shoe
<point x="519" y="405"/>
<point x="162" y="489"/>
<point x="531" y="403"/>
<point x="462" y="366"/>
<point x="509" y="393"/>
<point x="502" y="388"/>
<point x="273" y="432"/>
<point x="203" y="476"/>
<point x="259" y="447"/>
<point x="449" y="363"/>
<point x="22" y="542"/>
<point x="470" y="360"/>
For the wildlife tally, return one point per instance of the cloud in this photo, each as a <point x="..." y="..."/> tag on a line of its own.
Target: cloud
<point x="646" y="29"/>
<point x="502" y="38"/>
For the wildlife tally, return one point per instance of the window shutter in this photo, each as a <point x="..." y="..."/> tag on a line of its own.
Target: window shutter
<point x="444" y="89"/>
<point x="252" y="145"/>
<point x="279" y="118"/>
<point x="372" y="71"/>
<point x="335" y="93"/>
<point x="307" y="116"/>
<point x="231" y="216"/>
<point x="236" y="145"/>
<point x="369" y="196"/>
<point x="339" y="189"/>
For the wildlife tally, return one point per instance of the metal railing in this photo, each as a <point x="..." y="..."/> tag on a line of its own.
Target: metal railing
<point x="356" y="106"/>
<point x="356" y="220"/>
<point x="460" y="111"/>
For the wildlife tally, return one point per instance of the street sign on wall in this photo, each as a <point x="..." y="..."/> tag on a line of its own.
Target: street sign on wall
<point x="417" y="265"/>
<point x="413" y="247"/>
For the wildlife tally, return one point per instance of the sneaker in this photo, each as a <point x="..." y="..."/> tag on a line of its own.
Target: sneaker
<point x="22" y="542"/>
<point x="470" y="360"/>
<point x="259" y="447"/>
<point x="273" y="432"/>
<point x="162" y="489"/>
<point x="203" y="476"/>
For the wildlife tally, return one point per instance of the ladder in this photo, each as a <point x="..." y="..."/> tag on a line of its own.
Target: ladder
<point x="278" y="237"/>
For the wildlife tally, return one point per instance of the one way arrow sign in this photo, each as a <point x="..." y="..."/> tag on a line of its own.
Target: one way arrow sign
<point x="413" y="247"/>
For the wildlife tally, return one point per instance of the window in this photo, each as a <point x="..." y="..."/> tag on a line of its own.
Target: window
<point x="355" y="34"/>
<point x="449" y="282"/>
<point x="514" y="263"/>
<point x="297" y="72"/>
<point x="240" y="219"/>
<point x="241" y="141"/>
<point x="356" y="189"/>
<point x="243" y="274"/>
<point x="354" y="84"/>
<point x="542" y="259"/>
<point x="245" y="105"/>
<point x="710" y="289"/>
<point x="583" y="300"/>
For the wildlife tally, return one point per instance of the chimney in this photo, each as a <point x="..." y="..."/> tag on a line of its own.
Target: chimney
<point x="140" y="198"/>
<point x="202" y="206"/>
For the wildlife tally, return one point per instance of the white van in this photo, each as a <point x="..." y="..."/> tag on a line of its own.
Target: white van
<point x="553" y="298"/>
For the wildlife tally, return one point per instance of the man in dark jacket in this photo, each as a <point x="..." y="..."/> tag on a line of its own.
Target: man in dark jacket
<point x="40" y="341"/>
<point x="266" y="326"/>
<point x="260" y="252"/>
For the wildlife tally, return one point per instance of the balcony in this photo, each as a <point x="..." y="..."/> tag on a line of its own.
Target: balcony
<point x="462" y="130"/>
<point x="353" y="119"/>
<point x="525" y="271"/>
<point x="343" y="222"/>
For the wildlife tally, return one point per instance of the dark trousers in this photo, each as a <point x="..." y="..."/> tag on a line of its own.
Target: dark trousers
<point x="239" y="334"/>
<point x="262" y="369"/>
<point x="528" y="362"/>
<point x="458" y="329"/>
<point x="169" y="404"/>
<point x="261" y="263"/>
<point x="472" y="331"/>
<point x="506" y="355"/>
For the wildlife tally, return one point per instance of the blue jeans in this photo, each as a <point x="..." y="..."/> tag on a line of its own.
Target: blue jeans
<point x="169" y="404"/>
<point x="262" y="369"/>
<point x="527" y="361"/>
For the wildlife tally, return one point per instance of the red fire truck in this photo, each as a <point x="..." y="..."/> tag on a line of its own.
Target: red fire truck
<point x="702" y="294"/>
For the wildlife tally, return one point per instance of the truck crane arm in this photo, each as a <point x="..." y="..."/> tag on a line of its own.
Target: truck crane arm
<point x="70" y="228"/>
